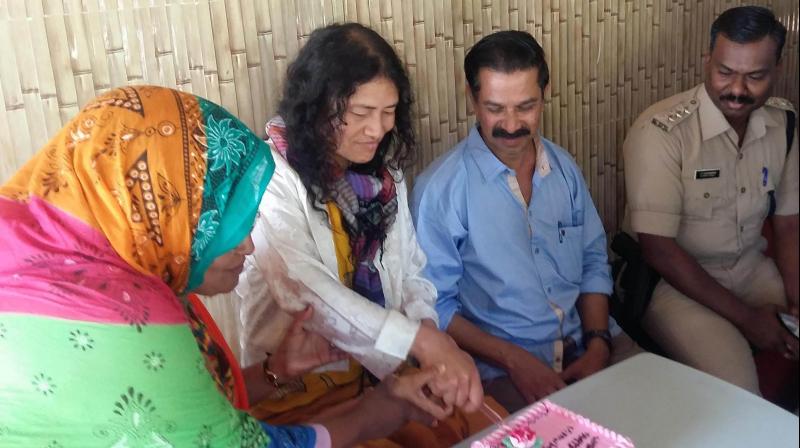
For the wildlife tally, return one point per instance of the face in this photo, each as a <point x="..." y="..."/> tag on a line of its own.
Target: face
<point x="739" y="77"/>
<point x="223" y="274"/>
<point x="369" y="116"/>
<point x="508" y="108"/>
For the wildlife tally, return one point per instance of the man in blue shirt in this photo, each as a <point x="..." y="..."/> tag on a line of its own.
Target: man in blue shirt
<point x="515" y="246"/>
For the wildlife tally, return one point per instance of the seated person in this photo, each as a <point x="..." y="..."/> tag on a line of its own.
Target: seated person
<point x="147" y="194"/>
<point x="335" y="231"/>
<point x="703" y="169"/>
<point x="515" y="247"/>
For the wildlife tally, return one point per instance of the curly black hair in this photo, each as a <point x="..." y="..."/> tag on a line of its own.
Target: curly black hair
<point x="334" y="62"/>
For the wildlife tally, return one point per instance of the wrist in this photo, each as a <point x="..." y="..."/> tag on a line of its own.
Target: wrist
<point x="424" y="342"/>
<point x="599" y="348"/>
<point x="272" y="372"/>
<point x="510" y="356"/>
<point x="740" y="318"/>
<point x="592" y="337"/>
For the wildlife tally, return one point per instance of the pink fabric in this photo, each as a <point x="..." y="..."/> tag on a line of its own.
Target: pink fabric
<point x="63" y="268"/>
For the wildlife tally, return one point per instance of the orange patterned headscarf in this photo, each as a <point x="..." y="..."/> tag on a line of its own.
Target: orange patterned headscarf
<point x="154" y="170"/>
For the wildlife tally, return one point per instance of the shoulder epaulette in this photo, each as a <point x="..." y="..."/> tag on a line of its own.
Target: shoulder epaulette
<point x="668" y="119"/>
<point x="780" y="103"/>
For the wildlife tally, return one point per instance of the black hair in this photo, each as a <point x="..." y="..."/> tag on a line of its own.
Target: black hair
<point x="506" y="52"/>
<point x="334" y="62"/>
<point x="746" y="24"/>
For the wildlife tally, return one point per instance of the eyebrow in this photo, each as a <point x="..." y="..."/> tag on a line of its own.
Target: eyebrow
<point x="754" y="72"/>
<point x="522" y="104"/>
<point x="372" y="107"/>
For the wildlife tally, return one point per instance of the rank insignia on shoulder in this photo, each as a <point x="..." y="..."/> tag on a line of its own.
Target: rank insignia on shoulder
<point x="780" y="103"/>
<point x="668" y="119"/>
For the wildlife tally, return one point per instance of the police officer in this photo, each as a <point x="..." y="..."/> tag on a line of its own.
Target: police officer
<point x="703" y="170"/>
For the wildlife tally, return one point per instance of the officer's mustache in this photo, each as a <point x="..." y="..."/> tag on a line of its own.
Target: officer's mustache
<point x="741" y="99"/>
<point x="502" y="133"/>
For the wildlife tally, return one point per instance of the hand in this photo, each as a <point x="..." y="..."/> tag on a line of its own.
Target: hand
<point x="412" y="386"/>
<point x="793" y="308"/>
<point x="534" y="379"/>
<point x="593" y="360"/>
<point x="764" y="330"/>
<point x="459" y="385"/>
<point x="301" y="351"/>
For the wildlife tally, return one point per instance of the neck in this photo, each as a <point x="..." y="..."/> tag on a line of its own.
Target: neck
<point x="740" y="126"/>
<point x="521" y="160"/>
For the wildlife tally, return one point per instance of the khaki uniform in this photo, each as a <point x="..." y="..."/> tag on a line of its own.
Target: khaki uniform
<point x="687" y="178"/>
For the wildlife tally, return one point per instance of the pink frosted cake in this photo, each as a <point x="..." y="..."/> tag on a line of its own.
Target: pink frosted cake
<point x="547" y="425"/>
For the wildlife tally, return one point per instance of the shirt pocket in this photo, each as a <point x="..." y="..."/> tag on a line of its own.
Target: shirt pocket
<point x="765" y="201"/>
<point x="570" y="250"/>
<point x="699" y="198"/>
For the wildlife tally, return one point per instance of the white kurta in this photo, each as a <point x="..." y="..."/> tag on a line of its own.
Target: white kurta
<point x="294" y="264"/>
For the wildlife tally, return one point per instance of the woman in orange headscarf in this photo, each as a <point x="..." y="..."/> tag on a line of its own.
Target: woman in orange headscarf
<point x="146" y="195"/>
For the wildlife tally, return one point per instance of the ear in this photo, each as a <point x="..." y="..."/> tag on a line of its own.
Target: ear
<point x="468" y="91"/>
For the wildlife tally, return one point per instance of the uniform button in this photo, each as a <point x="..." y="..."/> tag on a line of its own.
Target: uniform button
<point x="743" y="190"/>
<point x="549" y="290"/>
<point x="706" y="195"/>
<point x="741" y="229"/>
<point x="741" y="156"/>
<point x="536" y="251"/>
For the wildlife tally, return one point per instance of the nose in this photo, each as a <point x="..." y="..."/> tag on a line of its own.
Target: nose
<point x="246" y="247"/>
<point x="375" y="128"/>
<point x="739" y="86"/>
<point x="511" y="123"/>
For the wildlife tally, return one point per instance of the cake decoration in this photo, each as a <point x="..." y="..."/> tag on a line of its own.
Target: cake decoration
<point x="548" y="425"/>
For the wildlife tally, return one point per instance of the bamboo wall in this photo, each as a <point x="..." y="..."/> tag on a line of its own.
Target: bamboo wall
<point x="609" y="59"/>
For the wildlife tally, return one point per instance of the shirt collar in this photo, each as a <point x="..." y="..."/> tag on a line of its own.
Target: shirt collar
<point x="490" y="166"/>
<point x="714" y="123"/>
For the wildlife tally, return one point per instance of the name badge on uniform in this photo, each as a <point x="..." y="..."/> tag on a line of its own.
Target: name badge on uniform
<point x="706" y="174"/>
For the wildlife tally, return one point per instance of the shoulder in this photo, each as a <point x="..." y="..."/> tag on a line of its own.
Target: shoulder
<point x="670" y="113"/>
<point x="445" y="173"/>
<point x="779" y="103"/>
<point x="560" y="159"/>
<point x="777" y="108"/>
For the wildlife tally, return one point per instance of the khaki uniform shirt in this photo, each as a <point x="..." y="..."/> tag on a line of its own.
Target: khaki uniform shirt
<point x="687" y="178"/>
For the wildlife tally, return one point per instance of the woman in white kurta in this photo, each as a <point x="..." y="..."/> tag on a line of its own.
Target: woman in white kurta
<point x="335" y="230"/>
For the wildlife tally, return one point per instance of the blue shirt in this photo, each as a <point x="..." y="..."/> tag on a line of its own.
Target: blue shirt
<point x="514" y="271"/>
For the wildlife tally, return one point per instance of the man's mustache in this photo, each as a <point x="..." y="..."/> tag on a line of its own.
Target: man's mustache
<point x="741" y="99"/>
<point x="502" y="133"/>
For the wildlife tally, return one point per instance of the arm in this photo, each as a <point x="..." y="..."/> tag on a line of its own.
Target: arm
<point x="593" y="309"/>
<point x="786" y="257"/>
<point x="299" y="352"/>
<point x="596" y="286"/>
<point x="418" y="293"/>
<point x="290" y="260"/>
<point x="532" y="377"/>
<point x="759" y="325"/>
<point x="785" y="225"/>
<point x="383" y="410"/>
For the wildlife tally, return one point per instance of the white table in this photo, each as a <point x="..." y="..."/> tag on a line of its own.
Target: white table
<point x="660" y="403"/>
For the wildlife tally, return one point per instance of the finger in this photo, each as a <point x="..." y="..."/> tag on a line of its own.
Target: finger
<point x="475" y="396"/>
<point x="430" y="407"/>
<point x="792" y="346"/>
<point x="462" y="390"/>
<point x="569" y="373"/>
<point x="300" y="318"/>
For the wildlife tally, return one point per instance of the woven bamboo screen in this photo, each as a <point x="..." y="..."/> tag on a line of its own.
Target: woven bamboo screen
<point x="609" y="59"/>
